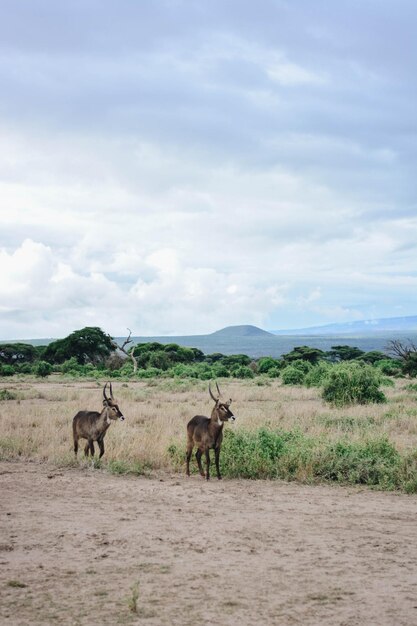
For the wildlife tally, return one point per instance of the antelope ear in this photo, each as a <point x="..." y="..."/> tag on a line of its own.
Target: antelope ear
<point x="230" y="401"/>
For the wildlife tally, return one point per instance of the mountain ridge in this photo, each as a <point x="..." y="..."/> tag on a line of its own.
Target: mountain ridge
<point x="370" y="326"/>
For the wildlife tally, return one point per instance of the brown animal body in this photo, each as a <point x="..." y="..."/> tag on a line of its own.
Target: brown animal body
<point x="93" y="425"/>
<point x="206" y="433"/>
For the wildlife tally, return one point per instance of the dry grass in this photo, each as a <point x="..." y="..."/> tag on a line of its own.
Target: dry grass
<point x="37" y="424"/>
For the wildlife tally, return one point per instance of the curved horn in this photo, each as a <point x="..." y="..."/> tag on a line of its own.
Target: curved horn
<point x="211" y="394"/>
<point x="104" y="392"/>
<point x="111" y="392"/>
<point x="220" y="393"/>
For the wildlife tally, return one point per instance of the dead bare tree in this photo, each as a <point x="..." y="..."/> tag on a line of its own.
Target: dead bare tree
<point x="401" y="350"/>
<point x="128" y="353"/>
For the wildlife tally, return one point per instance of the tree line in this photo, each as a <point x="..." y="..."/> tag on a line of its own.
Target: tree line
<point x="92" y="352"/>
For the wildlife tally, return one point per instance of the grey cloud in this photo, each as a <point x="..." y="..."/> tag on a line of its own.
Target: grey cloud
<point x="243" y="135"/>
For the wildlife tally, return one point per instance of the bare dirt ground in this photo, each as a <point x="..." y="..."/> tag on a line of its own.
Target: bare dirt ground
<point x="74" y="543"/>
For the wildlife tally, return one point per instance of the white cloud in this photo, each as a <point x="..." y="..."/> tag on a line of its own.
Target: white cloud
<point x="222" y="171"/>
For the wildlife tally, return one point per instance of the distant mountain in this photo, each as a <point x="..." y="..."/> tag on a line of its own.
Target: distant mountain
<point x="363" y="327"/>
<point x="241" y="331"/>
<point x="255" y="342"/>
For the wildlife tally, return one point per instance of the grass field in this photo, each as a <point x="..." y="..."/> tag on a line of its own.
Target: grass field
<point x="36" y="418"/>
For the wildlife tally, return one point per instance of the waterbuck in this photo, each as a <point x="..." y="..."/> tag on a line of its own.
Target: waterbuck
<point x="92" y="425"/>
<point x="206" y="433"/>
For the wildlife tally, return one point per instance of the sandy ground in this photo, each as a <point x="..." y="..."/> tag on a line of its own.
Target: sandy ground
<point x="74" y="543"/>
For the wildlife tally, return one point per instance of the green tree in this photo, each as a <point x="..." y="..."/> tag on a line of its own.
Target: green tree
<point x="88" y="345"/>
<point x="15" y="353"/>
<point x="373" y="357"/>
<point x="343" y="353"/>
<point x="236" y="359"/>
<point x="304" y="353"/>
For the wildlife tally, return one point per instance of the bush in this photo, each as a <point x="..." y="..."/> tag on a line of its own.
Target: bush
<point x="71" y="366"/>
<point x="274" y="372"/>
<point x="291" y="455"/>
<point x="5" y="394"/>
<point x="266" y="363"/>
<point x="243" y="371"/>
<point x="292" y="375"/>
<point x="317" y="375"/>
<point x="42" y="369"/>
<point x="151" y="372"/>
<point x="389" y="367"/>
<point x="352" y="383"/>
<point x="7" y="370"/>
<point x="220" y="371"/>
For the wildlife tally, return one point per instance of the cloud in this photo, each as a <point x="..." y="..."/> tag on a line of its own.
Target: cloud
<point x="177" y="167"/>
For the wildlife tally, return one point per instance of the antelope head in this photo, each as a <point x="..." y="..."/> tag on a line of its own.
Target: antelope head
<point x="114" y="412"/>
<point x="223" y="411"/>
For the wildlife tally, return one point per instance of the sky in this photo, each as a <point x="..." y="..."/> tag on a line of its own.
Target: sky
<point x="178" y="166"/>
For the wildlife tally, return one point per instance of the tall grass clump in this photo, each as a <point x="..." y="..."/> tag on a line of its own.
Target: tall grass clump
<point x="353" y="383"/>
<point x="291" y="455"/>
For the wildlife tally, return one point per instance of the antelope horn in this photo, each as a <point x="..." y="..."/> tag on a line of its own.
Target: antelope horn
<point x="111" y="392"/>
<point x="104" y="392"/>
<point x="211" y="394"/>
<point x="220" y="393"/>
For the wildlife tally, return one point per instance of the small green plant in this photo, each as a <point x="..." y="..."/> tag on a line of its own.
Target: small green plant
<point x="124" y="467"/>
<point x="16" y="584"/>
<point x="5" y="394"/>
<point x="132" y="600"/>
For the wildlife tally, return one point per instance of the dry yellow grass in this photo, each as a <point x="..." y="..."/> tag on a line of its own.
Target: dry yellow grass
<point x="38" y="423"/>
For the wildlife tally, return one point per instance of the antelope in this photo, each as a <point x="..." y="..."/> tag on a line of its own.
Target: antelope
<point x="207" y="433"/>
<point x="92" y="425"/>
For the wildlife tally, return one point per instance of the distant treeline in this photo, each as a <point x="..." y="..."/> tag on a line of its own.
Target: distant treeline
<point x="91" y="352"/>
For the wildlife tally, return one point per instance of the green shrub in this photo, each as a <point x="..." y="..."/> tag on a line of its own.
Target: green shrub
<point x="124" y="467"/>
<point x="5" y="394"/>
<point x="317" y="375"/>
<point x="243" y="371"/>
<point x="266" y="363"/>
<point x="274" y="372"/>
<point x="303" y="366"/>
<point x="374" y="462"/>
<point x="151" y="372"/>
<point x="292" y="375"/>
<point x="389" y="367"/>
<point x="352" y="383"/>
<point x="7" y="370"/>
<point x="42" y="369"/>
<point x="220" y="371"/>
<point x="292" y="455"/>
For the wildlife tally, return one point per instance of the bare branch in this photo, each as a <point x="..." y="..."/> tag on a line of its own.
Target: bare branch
<point x="400" y="349"/>
<point x="130" y="354"/>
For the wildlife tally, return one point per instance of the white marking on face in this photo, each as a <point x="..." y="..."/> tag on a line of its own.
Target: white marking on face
<point x="121" y="418"/>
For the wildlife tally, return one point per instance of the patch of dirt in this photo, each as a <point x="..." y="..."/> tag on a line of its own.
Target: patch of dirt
<point x="85" y="547"/>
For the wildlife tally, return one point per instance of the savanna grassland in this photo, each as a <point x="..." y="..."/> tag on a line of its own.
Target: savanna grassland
<point x="82" y="543"/>
<point x="35" y="422"/>
<point x="36" y="418"/>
